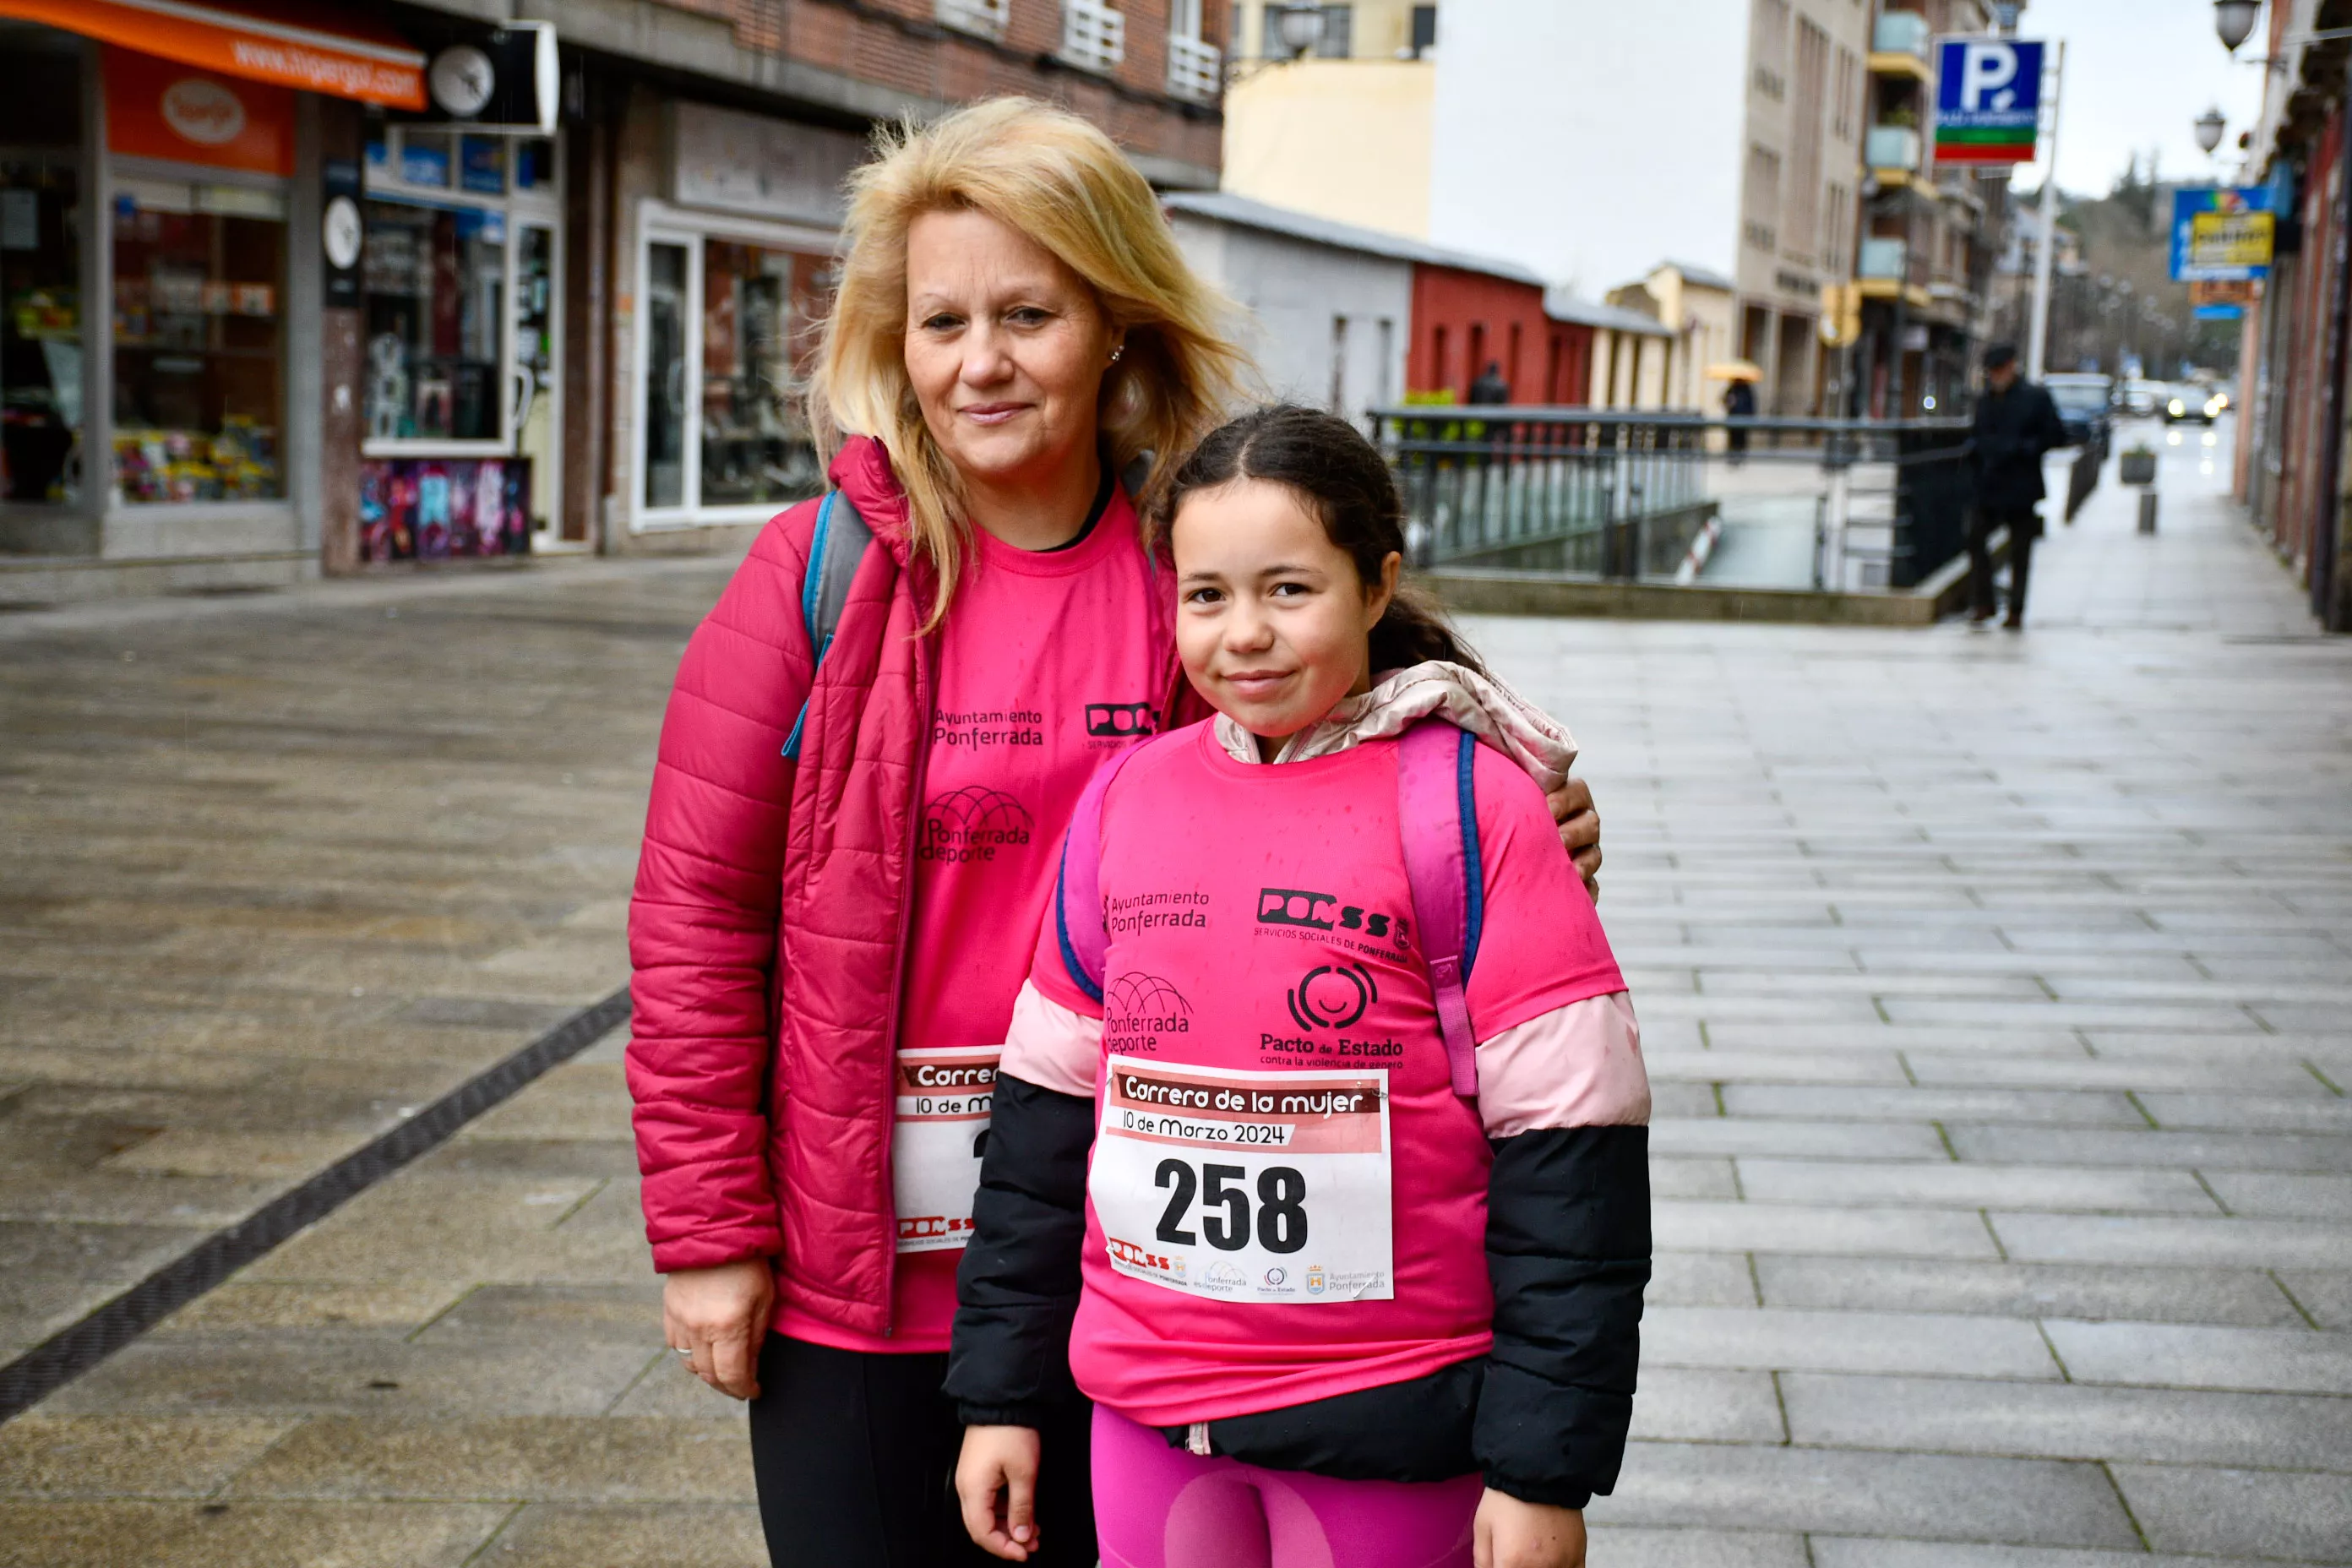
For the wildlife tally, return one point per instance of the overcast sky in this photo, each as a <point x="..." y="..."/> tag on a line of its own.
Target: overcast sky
<point x="2137" y="73"/>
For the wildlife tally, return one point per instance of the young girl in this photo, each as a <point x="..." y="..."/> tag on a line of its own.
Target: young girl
<point x="1353" y="1213"/>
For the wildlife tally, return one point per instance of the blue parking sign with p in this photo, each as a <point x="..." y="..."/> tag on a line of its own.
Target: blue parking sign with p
<point x="1987" y="101"/>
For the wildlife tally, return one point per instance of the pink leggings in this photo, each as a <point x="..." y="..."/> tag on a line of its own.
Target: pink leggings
<point x="1158" y="1507"/>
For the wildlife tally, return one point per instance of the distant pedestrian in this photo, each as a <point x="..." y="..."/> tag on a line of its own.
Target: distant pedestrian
<point x="1490" y="388"/>
<point x="2016" y="423"/>
<point x="1739" y="403"/>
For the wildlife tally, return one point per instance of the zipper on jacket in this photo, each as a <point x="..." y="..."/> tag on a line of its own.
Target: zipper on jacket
<point x="916" y="776"/>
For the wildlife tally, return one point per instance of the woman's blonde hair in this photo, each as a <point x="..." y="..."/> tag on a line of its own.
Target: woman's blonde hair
<point x="1052" y="176"/>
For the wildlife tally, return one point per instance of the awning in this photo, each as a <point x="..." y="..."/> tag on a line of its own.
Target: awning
<point x="322" y="52"/>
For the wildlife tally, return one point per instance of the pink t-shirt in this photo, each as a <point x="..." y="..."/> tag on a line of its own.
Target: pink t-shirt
<point x="1297" y="1199"/>
<point x="1042" y="671"/>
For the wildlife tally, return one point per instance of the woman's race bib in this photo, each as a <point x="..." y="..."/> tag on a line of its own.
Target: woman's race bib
<point x="1239" y="1185"/>
<point x="940" y="1132"/>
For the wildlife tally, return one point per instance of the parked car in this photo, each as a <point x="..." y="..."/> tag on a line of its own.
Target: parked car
<point x="2085" y="402"/>
<point x="2144" y="398"/>
<point x="2188" y="402"/>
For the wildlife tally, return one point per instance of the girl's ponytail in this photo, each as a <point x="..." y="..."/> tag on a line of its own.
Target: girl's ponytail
<point x="1353" y="495"/>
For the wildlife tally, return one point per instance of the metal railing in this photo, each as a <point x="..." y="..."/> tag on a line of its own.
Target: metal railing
<point x="1583" y="492"/>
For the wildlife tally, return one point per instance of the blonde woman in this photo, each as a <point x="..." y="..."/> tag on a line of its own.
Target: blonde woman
<point x="861" y="783"/>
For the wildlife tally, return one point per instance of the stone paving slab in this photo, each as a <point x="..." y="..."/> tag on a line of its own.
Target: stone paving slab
<point x="2251" y="1513"/>
<point x="2251" y="1298"/>
<point x="1933" y="1496"/>
<point x="2060" y="1420"/>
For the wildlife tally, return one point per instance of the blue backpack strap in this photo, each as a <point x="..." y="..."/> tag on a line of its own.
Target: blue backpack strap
<point x="1079" y="917"/>
<point x="834" y="552"/>
<point x="1437" y="819"/>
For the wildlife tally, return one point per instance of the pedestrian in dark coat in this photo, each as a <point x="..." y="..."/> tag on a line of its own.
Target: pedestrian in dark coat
<point x="1738" y="403"/>
<point x="2016" y="423"/>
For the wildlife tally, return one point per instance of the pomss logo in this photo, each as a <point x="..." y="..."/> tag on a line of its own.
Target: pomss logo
<point x="1121" y="720"/>
<point x="1323" y="911"/>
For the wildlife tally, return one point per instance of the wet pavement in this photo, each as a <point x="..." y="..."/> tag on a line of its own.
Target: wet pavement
<point x="1995" y="988"/>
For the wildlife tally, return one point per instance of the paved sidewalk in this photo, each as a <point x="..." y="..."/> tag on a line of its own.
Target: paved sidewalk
<point x="1996" y="990"/>
<point x="276" y="871"/>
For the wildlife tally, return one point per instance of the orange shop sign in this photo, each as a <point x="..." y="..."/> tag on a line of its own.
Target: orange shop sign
<point x="159" y="109"/>
<point x="301" y="44"/>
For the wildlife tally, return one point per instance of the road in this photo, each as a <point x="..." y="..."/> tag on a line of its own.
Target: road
<point x="1994" y="987"/>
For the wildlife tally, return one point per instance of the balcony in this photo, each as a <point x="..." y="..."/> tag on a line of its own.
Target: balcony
<point x="1883" y="261"/>
<point x="985" y="19"/>
<point x="1194" y="69"/>
<point x="1898" y="46"/>
<point x="1094" y="37"/>
<point x="1891" y="148"/>
<point x="1900" y="33"/>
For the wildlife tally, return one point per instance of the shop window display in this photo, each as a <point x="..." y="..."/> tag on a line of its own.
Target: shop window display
<point x="40" y="334"/>
<point x="199" y="286"/>
<point x="755" y="443"/>
<point x="436" y="509"/>
<point x="435" y="280"/>
<point x="40" y="275"/>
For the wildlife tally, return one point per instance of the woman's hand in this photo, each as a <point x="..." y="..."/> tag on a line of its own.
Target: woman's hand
<point x="1509" y="1534"/>
<point x="1579" y="829"/>
<point x="999" y="1460"/>
<point x="721" y="1315"/>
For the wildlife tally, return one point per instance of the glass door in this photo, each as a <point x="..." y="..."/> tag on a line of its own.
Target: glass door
<point x="722" y="434"/>
<point x="538" y="430"/>
<point x="666" y="394"/>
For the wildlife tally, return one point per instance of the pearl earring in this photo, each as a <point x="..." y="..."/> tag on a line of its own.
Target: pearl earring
<point x="1116" y="352"/>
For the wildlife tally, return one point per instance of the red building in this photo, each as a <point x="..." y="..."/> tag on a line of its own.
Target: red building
<point x="1468" y="316"/>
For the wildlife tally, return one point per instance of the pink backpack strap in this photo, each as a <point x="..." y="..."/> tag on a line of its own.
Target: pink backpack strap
<point x="1437" y="817"/>
<point x="1078" y="890"/>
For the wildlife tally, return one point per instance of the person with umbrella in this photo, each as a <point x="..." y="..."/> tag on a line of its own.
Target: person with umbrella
<point x="1738" y="401"/>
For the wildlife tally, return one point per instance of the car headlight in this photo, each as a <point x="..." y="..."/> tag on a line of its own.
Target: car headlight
<point x="2177" y="407"/>
<point x="2215" y="406"/>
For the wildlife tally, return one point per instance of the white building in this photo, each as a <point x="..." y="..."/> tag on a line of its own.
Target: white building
<point x="1584" y="140"/>
<point x="1330" y="306"/>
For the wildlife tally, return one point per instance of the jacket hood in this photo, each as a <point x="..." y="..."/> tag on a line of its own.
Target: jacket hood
<point x="861" y="470"/>
<point x="1400" y="698"/>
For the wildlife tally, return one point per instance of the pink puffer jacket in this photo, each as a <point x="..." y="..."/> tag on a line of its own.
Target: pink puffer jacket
<point x="767" y="932"/>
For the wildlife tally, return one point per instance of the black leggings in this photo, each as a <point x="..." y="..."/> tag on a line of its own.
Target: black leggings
<point x="856" y="1457"/>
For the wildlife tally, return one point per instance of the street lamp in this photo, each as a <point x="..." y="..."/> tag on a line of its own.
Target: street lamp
<point x="2234" y="20"/>
<point x="2208" y="129"/>
<point x="1300" y="28"/>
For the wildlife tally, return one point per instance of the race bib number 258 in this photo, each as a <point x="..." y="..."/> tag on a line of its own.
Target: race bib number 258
<point x="1246" y="1186"/>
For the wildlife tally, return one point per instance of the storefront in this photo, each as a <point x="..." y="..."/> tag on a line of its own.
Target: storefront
<point x="461" y="279"/>
<point x="159" y="279"/>
<point x="731" y="245"/>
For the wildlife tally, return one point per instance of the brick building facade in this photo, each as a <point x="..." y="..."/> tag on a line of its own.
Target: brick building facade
<point x="579" y="329"/>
